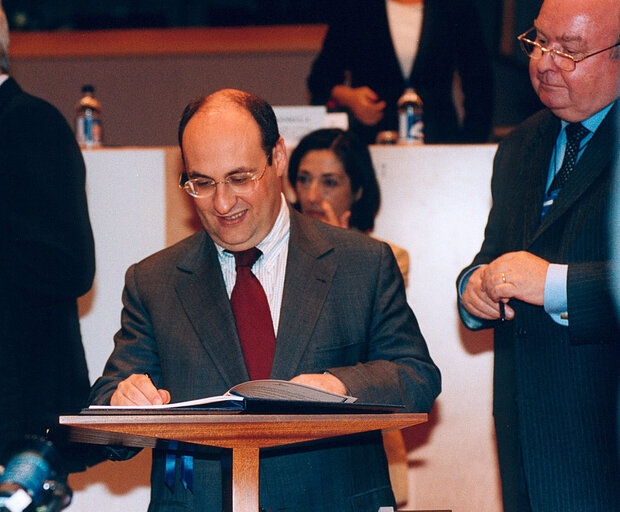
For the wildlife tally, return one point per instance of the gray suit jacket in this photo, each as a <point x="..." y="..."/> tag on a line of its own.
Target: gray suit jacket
<point x="343" y="309"/>
<point x="554" y="386"/>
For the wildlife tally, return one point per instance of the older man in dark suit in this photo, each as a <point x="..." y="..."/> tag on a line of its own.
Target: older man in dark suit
<point x="542" y="276"/>
<point x="337" y="318"/>
<point x="47" y="262"/>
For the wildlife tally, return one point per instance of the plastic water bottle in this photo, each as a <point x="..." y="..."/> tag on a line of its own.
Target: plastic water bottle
<point x="410" y="124"/>
<point x="88" y="128"/>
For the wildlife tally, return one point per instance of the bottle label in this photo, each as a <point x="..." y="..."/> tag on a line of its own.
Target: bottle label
<point x="88" y="131"/>
<point x="410" y="126"/>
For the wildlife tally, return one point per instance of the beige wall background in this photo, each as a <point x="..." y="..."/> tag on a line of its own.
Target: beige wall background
<point x="144" y="78"/>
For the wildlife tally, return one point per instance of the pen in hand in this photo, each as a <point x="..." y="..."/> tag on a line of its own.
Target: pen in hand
<point x="502" y="311"/>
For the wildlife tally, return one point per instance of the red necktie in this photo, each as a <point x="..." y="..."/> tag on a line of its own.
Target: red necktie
<point x="252" y="315"/>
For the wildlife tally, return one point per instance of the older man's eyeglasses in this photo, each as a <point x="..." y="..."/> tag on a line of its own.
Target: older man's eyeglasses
<point x="565" y="61"/>
<point x="241" y="182"/>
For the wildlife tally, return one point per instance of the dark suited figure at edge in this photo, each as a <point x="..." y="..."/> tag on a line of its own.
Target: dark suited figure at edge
<point x="354" y="334"/>
<point x="545" y="261"/>
<point x="48" y="262"/>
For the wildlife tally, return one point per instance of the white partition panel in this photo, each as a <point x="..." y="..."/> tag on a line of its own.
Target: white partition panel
<point x="435" y="202"/>
<point x="127" y="204"/>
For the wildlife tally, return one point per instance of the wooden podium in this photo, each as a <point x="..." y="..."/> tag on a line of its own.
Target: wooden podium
<point x="244" y="434"/>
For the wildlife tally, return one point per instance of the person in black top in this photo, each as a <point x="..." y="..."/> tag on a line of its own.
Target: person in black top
<point x="358" y="68"/>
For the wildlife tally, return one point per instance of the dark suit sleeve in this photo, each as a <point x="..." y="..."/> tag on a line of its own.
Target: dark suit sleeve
<point x="134" y="352"/>
<point x="328" y="70"/>
<point x="493" y="244"/>
<point x="591" y="316"/>
<point x="50" y="248"/>
<point x="134" y="345"/>
<point x="48" y="261"/>
<point x="399" y="369"/>
<point x="473" y="63"/>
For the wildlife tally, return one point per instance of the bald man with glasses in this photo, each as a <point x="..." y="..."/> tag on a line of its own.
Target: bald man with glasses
<point x="542" y="276"/>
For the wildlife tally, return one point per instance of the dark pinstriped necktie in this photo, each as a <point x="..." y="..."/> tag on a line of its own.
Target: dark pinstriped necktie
<point x="575" y="132"/>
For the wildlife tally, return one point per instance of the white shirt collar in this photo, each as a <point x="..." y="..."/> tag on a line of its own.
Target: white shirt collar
<point x="271" y="243"/>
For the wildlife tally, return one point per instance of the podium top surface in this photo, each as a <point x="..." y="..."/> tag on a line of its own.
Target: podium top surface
<point x="227" y="430"/>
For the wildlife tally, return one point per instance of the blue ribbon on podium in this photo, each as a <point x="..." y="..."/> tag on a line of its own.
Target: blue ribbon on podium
<point x="186" y="468"/>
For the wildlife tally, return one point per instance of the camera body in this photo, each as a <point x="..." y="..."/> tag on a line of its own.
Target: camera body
<point x="30" y="481"/>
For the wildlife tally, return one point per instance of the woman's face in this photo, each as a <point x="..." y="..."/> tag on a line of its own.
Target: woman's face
<point x="320" y="177"/>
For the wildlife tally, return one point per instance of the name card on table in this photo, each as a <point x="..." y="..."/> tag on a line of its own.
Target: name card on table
<point x="296" y="121"/>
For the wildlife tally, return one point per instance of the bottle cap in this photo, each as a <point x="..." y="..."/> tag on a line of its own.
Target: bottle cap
<point x="387" y="137"/>
<point x="409" y="96"/>
<point x="88" y="88"/>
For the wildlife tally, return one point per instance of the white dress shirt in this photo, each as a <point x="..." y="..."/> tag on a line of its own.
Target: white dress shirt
<point x="270" y="268"/>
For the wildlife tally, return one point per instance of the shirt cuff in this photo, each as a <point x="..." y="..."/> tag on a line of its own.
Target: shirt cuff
<point x="464" y="278"/>
<point x="555" y="299"/>
<point x="470" y="321"/>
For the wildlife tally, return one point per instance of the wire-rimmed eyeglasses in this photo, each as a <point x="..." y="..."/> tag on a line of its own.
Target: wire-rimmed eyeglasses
<point x="240" y="182"/>
<point x="565" y="61"/>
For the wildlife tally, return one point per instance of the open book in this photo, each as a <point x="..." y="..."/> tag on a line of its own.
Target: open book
<point x="267" y="389"/>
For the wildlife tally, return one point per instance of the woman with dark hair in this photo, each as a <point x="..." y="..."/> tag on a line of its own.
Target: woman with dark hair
<point x="333" y="177"/>
<point x="334" y="180"/>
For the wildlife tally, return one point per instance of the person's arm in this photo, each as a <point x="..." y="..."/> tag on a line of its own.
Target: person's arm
<point x="363" y="102"/>
<point x="399" y="369"/>
<point x="134" y="354"/>
<point x="474" y="67"/>
<point x="590" y="312"/>
<point x="590" y="291"/>
<point x="591" y="315"/>
<point x="476" y="309"/>
<point x="493" y="246"/>
<point x="328" y="69"/>
<point x="50" y="247"/>
<point x="328" y="82"/>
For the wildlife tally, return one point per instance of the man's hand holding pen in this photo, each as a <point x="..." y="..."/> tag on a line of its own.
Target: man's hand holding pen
<point x="138" y="389"/>
<point x="519" y="275"/>
<point x="479" y="303"/>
